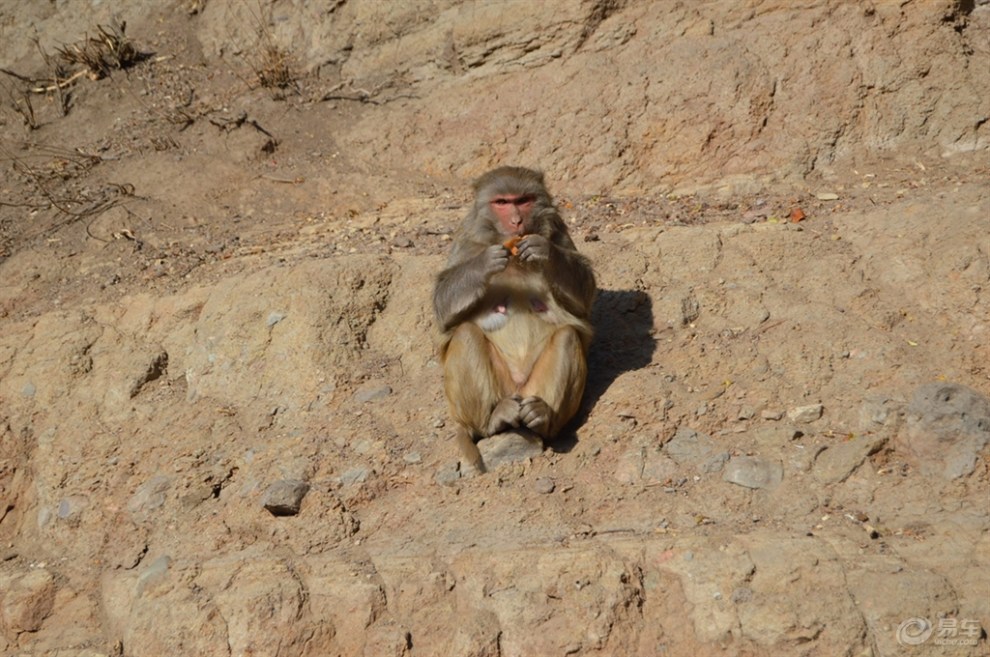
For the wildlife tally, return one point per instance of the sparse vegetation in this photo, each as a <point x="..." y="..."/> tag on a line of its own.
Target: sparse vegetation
<point x="101" y="54"/>
<point x="55" y="183"/>
<point x="20" y="102"/>
<point x="273" y="66"/>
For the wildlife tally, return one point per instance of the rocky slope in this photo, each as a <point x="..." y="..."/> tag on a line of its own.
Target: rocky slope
<point x="216" y="267"/>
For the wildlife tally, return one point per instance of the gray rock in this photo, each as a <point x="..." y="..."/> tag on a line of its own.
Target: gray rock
<point x="691" y="448"/>
<point x="753" y="472"/>
<point x="150" y="495"/>
<point x="372" y="391"/>
<point x="71" y="506"/>
<point x="154" y="573"/>
<point x="509" y="447"/>
<point x="879" y="412"/>
<point x="658" y="468"/>
<point x="448" y="475"/>
<point x="629" y="468"/>
<point x="543" y="485"/>
<point x="947" y="426"/>
<point x="836" y="463"/>
<point x="805" y="414"/>
<point x="284" y="497"/>
<point x="714" y="463"/>
<point x="356" y="475"/>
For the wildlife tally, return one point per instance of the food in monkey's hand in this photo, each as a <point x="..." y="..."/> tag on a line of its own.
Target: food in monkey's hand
<point x="512" y="244"/>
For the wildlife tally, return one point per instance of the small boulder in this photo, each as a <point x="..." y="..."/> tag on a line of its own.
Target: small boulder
<point x="509" y="447"/>
<point x="947" y="427"/>
<point x="284" y="497"/>
<point x="805" y="414"/>
<point x="753" y="472"/>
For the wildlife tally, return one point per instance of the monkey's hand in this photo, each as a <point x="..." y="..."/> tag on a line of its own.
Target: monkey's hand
<point x="535" y="414"/>
<point x="504" y="416"/>
<point x="495" y="259"/>
<point x="534" y="248"/>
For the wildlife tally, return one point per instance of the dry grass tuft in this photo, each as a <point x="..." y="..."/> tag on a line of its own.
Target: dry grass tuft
<point x="275" y="68"/>
<point x="101" y="54"/>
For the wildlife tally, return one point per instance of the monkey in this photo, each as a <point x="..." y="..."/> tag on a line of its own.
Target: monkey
<point x="513" y="305"/>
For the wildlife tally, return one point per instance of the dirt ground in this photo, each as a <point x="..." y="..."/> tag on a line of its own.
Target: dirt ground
<point x="219" y="227"/>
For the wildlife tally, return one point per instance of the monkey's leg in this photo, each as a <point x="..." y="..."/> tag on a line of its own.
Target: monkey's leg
<point x="468" y="449"/>
<point x="474" y="383"/>
<point x="552" y="394"/>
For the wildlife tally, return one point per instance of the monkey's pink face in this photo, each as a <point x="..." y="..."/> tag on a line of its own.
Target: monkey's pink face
<point x="512" y="211"/>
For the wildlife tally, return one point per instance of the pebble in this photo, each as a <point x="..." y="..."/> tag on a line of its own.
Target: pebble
<point x="372" y="391"/>
<point x="70" y="506"/>
<point x="543" y="485"/>
<point x="836" y="463"/>
<point x="827" y="196"/>
<point x="774" y="415"/>
<point x="274" y="318"/>
<point x="753" y="472"/>
<point x="805" y="414"/>
<point x="150" y="495"/>
<point x="155" y="572"/>
<point x="284" y="497"/>
<point x="356" y="475"/>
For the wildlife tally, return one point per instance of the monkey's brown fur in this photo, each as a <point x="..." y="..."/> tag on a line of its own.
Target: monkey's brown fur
<point x="515" y="328"/>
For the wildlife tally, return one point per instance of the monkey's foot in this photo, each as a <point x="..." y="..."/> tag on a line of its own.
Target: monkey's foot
<point x="510" y="447"/>
<point x="535" y="415"/>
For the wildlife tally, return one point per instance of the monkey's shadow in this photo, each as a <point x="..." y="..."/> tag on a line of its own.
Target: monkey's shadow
<point x="623" y="320"/>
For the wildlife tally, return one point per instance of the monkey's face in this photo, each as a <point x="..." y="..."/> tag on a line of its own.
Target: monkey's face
<point x="512" y="212"/>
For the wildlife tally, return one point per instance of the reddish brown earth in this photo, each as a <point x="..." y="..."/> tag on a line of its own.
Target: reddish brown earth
<point x="211" y="286"/>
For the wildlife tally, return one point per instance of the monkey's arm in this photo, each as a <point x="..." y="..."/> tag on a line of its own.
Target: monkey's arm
<point x="568" y="273"/>
<point x="462" y="285"/>
<point x="572" y="280"/>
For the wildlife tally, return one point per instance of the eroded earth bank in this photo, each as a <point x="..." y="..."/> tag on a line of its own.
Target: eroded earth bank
<point x="219" y="225"/>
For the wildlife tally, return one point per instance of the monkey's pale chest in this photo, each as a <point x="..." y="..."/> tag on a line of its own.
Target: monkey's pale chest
<point x="518" y="315"/>
<point x="515" y="295"/>
<point x="498" y="315"/>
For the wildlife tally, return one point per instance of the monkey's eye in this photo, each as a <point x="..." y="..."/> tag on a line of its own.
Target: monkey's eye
<point x="501" y="201"/>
